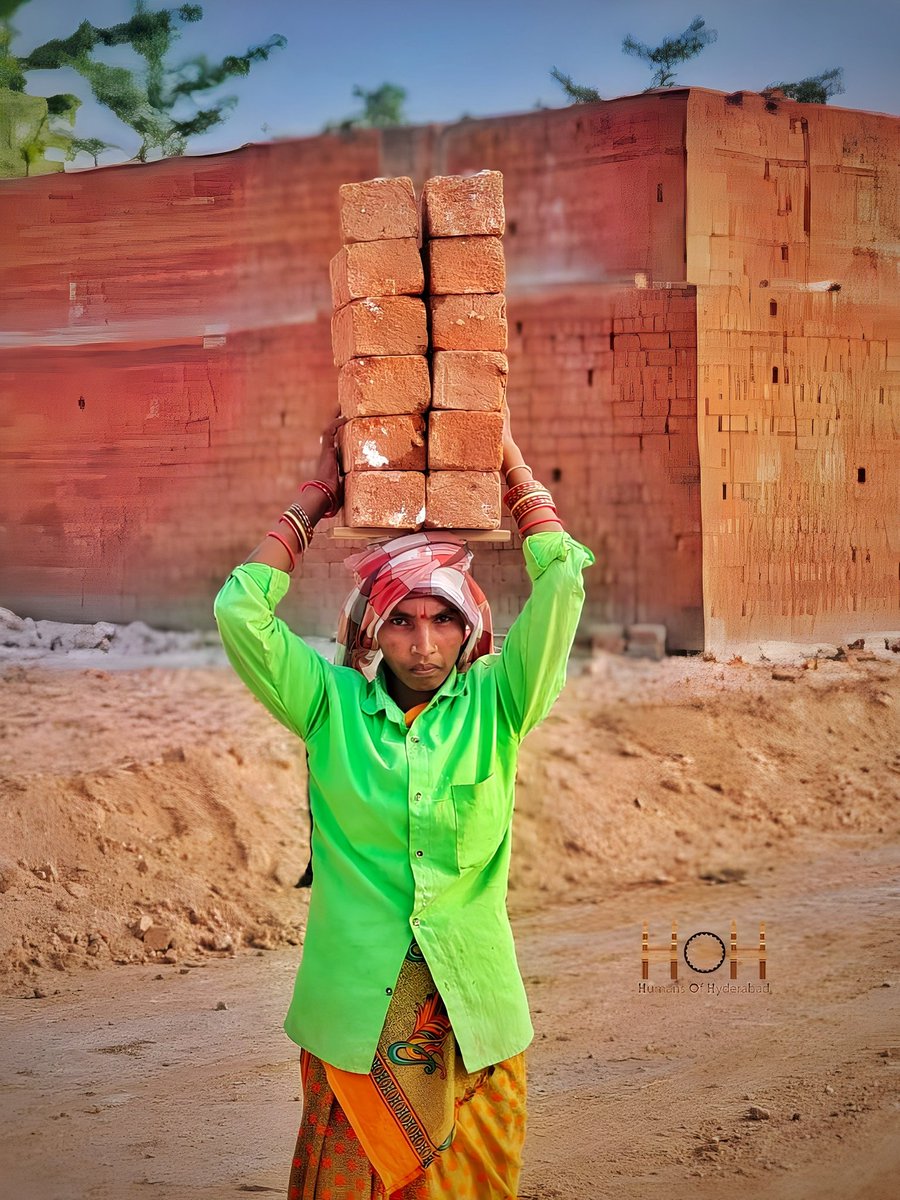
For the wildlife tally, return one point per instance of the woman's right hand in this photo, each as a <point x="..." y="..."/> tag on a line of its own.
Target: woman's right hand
<point x="328" y="469"/>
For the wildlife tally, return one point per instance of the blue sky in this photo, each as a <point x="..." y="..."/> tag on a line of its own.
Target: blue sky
<point x="482" y="57"/>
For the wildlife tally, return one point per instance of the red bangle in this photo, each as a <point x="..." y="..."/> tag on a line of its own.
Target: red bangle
<point x="273" y="534"/>
<point x="542" y="521"/>
<point x="323" y="487"/>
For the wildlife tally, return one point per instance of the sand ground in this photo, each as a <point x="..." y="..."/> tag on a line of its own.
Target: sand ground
<point x="686" y="790"/>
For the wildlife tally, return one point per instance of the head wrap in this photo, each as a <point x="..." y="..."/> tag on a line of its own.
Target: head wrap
<point x="429" y="561"/>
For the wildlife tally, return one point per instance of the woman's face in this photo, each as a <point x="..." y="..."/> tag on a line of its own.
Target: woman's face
<point x="421" y="631"/>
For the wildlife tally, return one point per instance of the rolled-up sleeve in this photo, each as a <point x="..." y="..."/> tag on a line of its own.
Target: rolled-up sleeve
<point x="280" y="669"/>
<point x="530" y="670"/>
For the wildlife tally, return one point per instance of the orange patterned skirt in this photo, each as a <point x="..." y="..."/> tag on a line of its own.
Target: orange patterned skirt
<point x="418" y="1126"/>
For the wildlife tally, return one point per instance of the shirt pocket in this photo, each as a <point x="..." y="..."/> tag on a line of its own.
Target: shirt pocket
<point x="483" y="814"/>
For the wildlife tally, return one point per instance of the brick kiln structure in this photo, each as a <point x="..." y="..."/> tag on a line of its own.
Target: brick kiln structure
<point x="703" y="336"/>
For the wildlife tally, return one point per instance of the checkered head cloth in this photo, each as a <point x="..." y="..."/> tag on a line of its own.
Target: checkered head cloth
<point x="429" y="561"/>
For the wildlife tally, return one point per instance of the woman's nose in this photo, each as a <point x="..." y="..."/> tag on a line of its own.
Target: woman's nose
<point x="423" y="641"/>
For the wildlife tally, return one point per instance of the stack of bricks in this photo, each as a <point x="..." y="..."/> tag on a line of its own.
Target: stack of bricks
<point x="379" y="334"/>
<point x="464" y="221"/>
<point x="424" y="443"/>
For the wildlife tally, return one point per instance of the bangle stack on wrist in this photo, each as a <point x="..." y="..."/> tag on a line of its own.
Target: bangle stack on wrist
<point x="299" y="521"/>
<point x="527" y="497"/>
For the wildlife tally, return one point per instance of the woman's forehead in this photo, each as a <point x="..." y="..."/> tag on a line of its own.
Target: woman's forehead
<point x="415" y="602"/>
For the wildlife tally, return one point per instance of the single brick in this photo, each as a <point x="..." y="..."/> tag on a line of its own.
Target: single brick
<point x="458" y="205"/>
<point x="608" y="638"/>
<point x="465" y="441"/>
<point x="384" y="499"/>
<point x="654" y="341"/>
<point x="389" y="325"/>
<point x="458" y="265"/>
<point x="388" y="268"/>
<point x="469" y="379"/>
<point x="646" y="641"/>
<point x="378" y="387"/>
<point x="468" y="322"/>
<point x="462" y="500"/>
<point x="377" y="209"/>
<point x="383" y="443"/>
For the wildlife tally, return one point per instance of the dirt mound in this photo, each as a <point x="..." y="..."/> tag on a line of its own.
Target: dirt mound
<point x="158" y="815"/>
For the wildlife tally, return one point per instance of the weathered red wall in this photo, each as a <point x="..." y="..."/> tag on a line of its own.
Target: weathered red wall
<point x="166" y="368"/>
<point x="799" y="385"/>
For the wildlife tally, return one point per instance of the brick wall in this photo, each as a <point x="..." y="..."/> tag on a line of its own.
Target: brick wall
<point x="167" y="369"/>
<point x="165" y="365"/>
<point x="792" y="234"/>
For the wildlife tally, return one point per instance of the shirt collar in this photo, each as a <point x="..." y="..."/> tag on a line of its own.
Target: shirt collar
<point x="378" y="697"/>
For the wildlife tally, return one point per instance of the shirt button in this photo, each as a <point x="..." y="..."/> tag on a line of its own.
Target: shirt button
<point x="419" y="853"/>
<point x="389" y="991"/>
<point x="418" y="796"/>
<point x="414" y="738"/>
<point x="415" y="920"/>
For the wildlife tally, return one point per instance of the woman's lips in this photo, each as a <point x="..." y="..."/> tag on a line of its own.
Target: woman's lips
<point x="423" y="670"/>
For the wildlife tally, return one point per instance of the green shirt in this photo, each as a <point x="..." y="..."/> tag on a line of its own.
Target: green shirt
<point x="412" y="826"/>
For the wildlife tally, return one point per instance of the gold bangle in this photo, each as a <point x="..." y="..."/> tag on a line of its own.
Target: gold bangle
<point x="299" y="533"/>
<point x="532" y="495"/>
<point x="517" y="467"/>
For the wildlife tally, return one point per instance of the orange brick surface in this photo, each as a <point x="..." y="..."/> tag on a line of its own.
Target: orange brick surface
<point x="468" y="322"/>
<point x="383" y="443"/>
<point x="393" y="499"/>
<point x="457" y="205"/>
<point x="469" y="379"/>
<point x="384" y="268"/>
<point x="465" y="441"/>
<point x="459" y="265"/>
<point x="378" y="208"/>
<point x="462" y="500"/>
<point x="384" y="386"/>
<point x="388" y="325"/>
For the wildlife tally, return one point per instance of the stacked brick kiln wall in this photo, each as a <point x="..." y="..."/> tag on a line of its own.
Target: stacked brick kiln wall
<point x="792" y="235"/>
<point x="167" y="368"/>
<point x="166" y="364"/>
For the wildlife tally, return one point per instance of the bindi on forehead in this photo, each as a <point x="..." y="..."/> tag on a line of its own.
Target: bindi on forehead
<point x="416" y="607"/>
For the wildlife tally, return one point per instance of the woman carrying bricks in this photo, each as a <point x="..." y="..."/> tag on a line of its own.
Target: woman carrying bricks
<point x="408" y="1006"/>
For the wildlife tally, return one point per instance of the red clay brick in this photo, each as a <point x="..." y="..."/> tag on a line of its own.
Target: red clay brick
<point x="386" y="386"/>
<point x="389" y="325"/>
<point x="465" y="441"/>
<point x="627" y="341"/>
<point x="462" y="500"/>
<point x="383" y="443"/>
<point x="469" y="379"/>
<point x="377" y="209"/>
<point x="385" y="268"/>
<point x="456" y="205"/>
<point x="660" y="358"/>
<point x="458" y="265"/>
<point x="654" y="341"/>
<point x="468" y="322"/>
<point x="387" y="499"/>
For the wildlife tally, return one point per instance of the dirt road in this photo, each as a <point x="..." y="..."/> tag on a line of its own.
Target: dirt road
<point x="134" y="1084"/>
